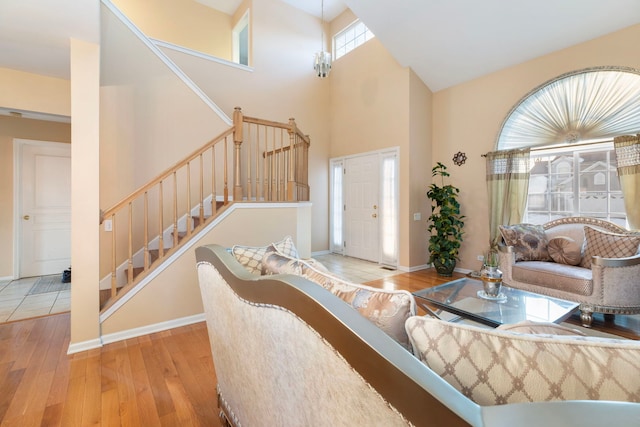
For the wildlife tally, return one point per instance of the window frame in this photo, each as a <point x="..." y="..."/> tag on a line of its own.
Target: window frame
<point x="356" y="41"/>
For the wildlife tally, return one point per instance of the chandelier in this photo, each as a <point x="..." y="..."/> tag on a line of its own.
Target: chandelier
<point x="322" y="61"/>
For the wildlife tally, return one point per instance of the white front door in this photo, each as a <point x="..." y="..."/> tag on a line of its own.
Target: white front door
<point x="44" y="207"/>
<point x="362" y="227"/>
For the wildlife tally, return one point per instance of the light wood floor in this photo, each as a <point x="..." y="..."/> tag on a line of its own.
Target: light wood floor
<point x="162" y="379"/>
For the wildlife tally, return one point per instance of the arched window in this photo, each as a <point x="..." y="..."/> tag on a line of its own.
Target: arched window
<point x="569" y="123"/>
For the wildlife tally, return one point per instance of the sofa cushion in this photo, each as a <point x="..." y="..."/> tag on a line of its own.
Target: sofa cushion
<point x="562" y="277"/>
<point x="565" y="250"/>
<point x="251" y="256"/>
<point x="494" y="367"/>
<point x="387" y="309"/>
<point x="607" y="245"/>
<point x="528" y="240"/>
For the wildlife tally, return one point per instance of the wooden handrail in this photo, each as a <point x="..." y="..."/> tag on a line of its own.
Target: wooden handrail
<point x="164" y="175"/>
<point x="282" y="177"/>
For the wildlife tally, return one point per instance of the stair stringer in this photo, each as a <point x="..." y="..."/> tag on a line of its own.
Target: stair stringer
<point x="245" y="223"/>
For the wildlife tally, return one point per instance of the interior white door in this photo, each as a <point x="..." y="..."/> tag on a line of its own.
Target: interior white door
<point x="44" y="207"/>
<point x="362" y="229"/>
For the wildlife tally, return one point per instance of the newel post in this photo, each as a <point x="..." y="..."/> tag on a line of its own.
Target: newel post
<point x="237" y="142"/>
<point x="291" y="187"/>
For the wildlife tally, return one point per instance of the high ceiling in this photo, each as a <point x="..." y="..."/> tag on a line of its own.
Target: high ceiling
<point x="445" y="42"/>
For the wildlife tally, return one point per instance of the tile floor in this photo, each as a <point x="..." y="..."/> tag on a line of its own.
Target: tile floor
<point x="353" y="269"/>
<point x="15" y="304"/>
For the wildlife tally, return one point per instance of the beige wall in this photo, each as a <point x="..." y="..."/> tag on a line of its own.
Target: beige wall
<point x="10" y="128"/>
<point x="33" y="92"/>
<point x="420" y="143"/>
<point x="85" y="200"/>
<point x="467" y="118"/>
<point x="185" y="23"/>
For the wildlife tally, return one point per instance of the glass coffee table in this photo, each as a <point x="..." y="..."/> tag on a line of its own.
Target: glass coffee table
<point x="461" y="298"/>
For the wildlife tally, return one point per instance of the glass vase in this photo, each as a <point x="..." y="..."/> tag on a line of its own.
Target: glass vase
<point x="491" y="281"/>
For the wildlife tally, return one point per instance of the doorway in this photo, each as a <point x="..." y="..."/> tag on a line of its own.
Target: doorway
<point x="42" y="207"/>
<point x="364" y="206"/>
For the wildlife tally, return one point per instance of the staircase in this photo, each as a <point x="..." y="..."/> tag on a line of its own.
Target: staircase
<point x="261" y="160"/>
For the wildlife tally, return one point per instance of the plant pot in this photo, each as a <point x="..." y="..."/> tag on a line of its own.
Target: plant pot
<point x="446" y="269"/>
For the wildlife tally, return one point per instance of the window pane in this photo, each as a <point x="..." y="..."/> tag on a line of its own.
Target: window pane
<point x="556" y="190"/>
<point x="351" y="37"/>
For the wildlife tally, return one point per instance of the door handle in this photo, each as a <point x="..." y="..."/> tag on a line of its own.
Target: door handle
<point x="374" y="216"/>
<point x="26" y="217"/>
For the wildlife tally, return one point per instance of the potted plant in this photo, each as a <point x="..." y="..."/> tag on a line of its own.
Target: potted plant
<point x="445" y="223"/>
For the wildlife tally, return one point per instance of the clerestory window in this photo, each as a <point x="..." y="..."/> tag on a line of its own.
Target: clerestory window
<point x="350" y="38"/>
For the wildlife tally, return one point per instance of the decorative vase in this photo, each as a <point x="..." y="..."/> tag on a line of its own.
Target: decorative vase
<point x="491" y="281"/>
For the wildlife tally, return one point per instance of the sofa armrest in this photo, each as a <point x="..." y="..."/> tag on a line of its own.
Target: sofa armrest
<point x="616" y="262"/>
<point x="615" y="280"/>
<point x="507" y="260"/>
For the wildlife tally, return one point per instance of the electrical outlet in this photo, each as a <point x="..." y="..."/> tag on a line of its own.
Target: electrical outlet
<point x="417" y="216"/>
<point x="108" y="226"/>
<point x="480" y="257"/>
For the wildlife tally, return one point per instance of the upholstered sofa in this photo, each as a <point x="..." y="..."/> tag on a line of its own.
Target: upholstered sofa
<point x="586" y="260"/>
<point x="288" y="352"/>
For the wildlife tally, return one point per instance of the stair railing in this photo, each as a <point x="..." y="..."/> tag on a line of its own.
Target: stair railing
<point x="266" y="161"/>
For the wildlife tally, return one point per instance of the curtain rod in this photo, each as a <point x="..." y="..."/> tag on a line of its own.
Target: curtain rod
<point x="550" y="147"/>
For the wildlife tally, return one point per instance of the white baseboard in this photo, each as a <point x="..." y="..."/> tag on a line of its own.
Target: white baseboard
<point x="414" y="268"/>
<point x="133" y="333"/>
<point x="84" y="346"/>
<point x="6" y="278"/>
<point x="150" y="329"/>
<point x="318" y="253"/>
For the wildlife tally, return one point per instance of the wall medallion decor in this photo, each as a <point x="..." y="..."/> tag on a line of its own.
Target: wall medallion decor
<point x="459" y="158"/>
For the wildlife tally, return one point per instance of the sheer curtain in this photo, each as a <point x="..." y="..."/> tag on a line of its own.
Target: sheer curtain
<point x="507" y="185"/>
<point x="628" y="156"/>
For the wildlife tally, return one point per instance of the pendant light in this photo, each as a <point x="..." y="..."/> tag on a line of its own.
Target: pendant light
<point x="322" y="61"/>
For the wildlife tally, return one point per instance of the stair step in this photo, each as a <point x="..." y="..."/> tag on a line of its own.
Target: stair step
<point x="154" y="254"/>
<point x="196" y="220"/>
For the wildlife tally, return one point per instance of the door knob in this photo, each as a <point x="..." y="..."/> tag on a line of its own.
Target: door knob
<point x="26" y="217"/>
<point x="374" y="216"/>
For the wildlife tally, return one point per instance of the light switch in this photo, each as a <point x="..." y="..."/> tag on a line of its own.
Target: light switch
<point x="417" y="216"/>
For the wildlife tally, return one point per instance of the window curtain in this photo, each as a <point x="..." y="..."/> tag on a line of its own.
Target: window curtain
<point x="627" y="150"/>
<point x="507" y="186"/>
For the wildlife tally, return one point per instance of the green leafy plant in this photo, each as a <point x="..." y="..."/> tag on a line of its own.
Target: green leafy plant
<point x="445" y="223"/>
<point x="491" y="258"/>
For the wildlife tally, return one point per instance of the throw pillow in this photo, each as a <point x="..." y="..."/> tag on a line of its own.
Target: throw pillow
<point x="286" y="247"/>
<point x="607" y="245"/>
<point x="493" y="367"/>
<point x="528" y="240"/>
<point x="387" y="309"/>
<point x="565" y="250"/>
<point x="251" y="256"/>
<point x="274" y="262"/>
